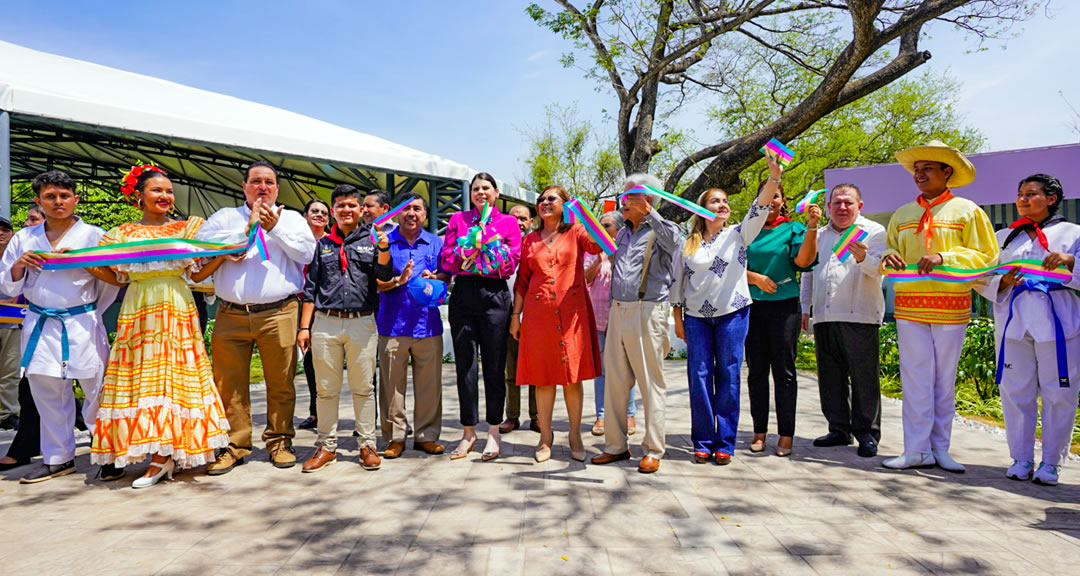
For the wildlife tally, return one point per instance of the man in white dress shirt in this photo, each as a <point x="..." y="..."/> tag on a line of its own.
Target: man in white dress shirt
<point x="64" y="336"/>
<point x="257" y="305"/>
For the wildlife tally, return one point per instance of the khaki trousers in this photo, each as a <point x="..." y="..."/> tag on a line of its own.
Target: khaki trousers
<point x="10" y="354"/>
<point x="335" y="344"/>
<point x="637" y="341"/>
<point x="235" y="334"/>
<point x="426" y="355"/>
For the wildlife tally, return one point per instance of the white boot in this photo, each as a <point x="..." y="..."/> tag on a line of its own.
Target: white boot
<point x="1020" y="470"/>
<point x="946" y="463"/>
<point x="1047" y="475"/>
<point x="910" y="460"/>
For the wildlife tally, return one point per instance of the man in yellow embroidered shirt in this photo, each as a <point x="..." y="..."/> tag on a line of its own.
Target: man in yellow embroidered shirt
<point x="937" y="229"/>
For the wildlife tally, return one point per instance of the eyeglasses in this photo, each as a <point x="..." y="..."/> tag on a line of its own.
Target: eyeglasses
<point x="548" y="199"/>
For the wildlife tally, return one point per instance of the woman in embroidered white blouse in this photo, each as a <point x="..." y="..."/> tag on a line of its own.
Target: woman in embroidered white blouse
<point x="710" y="296"/>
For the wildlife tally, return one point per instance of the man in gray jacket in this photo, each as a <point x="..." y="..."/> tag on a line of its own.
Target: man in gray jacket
<point x="844" y="294"/>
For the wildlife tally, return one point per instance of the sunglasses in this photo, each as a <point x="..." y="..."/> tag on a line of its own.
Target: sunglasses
<point x="548" y="199"/>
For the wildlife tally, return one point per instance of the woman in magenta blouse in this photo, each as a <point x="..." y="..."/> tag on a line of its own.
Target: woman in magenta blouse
<point x="479" y="313"/>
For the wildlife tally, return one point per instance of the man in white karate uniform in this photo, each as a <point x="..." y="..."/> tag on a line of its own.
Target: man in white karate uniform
<point x="63" y="335"/>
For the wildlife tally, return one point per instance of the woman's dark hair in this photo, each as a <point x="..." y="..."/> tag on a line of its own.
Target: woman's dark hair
<point x="262" y="163"/>
<point x="483" y="176"/>
<point x="140" y="182"/>
<point x="314" y="201"/>
<point x="409" y="197"/>
<point x="1051" y="187"/>
<point x="52" y="178"/>
<point x="343" y="190"/>
<point x="783" y="197"/>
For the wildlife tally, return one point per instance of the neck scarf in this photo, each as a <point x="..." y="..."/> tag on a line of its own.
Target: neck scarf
<point x="336" y="237"/>
<point x="1026" y="223"/>
<point x="779" y="220"/>
<point x="927" y="221"/>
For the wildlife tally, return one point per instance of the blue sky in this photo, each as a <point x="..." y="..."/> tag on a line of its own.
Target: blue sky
<point x="461" y="79"/>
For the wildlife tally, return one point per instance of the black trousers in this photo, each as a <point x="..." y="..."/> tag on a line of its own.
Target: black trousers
<point x="27" y="441"/>
<point x="770" y="344"/>
<point x="309" y="374"/>
<point x="479" y="315"/>
<point x="848" y="371"/>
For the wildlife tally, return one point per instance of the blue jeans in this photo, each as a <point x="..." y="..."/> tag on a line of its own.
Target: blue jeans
<point x="714" y="355"/>
<point x="598" y="385"/>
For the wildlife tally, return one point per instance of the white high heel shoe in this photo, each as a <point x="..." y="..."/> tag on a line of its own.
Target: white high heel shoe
<point x="165" y="469"/>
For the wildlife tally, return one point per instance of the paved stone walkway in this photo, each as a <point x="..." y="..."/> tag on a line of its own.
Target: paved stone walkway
<point x="821" y="511"/>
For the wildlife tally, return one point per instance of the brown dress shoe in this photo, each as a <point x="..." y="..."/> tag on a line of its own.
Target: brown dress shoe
<point x="509" y="425"/>
<point x="369" y="460"/>
<point x="282" y="456"/>
<point x="394" y="449"/>
<point x="648" y="465"/>
<point x="605" y="458"/>
<point x="430" y="447"/>
<point x="321" y="459"/>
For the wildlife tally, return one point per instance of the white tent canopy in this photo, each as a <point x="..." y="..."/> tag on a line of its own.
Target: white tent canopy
<point x="95" y="121"/>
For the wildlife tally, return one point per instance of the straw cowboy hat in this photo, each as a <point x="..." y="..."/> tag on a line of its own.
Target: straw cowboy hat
<point x="938" y="151"/>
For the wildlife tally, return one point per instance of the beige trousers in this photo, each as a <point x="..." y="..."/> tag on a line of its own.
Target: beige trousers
<point x="10" y="340"/>
<point x="337" y="343"/>
<point x="637" y="341"/>
<point x="394" y="355"/>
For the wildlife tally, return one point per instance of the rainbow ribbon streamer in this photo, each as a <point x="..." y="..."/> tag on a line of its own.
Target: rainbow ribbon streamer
<point x="852" y="234"/>
<point x="783" y="154"/>
<point x="576" y="211"/>
<point x="388" y="217"/>
<point x="152" y="250"/>
<point x="811" y="197"/>
<point x="692" y="207"/>
<point x="12" y="313"/>
<point x="1031" y="269"/>
<point x="490" y="251"/>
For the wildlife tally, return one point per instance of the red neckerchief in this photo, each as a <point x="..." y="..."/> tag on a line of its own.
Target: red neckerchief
<point x="336" y="238"/>
<point x="779" y="220"/>
<point x="1026" y="223"/>
<point x="927" y="220"/>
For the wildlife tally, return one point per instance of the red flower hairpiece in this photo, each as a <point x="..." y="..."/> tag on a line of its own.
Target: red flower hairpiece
<point x="128" y="183"/>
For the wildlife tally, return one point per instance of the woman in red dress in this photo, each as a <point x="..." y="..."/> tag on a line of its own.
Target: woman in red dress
<point x="558" y="343"/>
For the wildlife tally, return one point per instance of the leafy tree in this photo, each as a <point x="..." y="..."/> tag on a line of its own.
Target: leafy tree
<point x="782" y="64"/>
<point x="566" y="151"/>
<point x="97" y="205"/>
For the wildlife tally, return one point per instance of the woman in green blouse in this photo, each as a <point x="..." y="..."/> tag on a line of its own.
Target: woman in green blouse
<point x="783" y="248"/>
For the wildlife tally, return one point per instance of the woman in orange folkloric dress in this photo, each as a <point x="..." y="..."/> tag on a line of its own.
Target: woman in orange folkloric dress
<point x="158" y="397"/>
<point x="558" y="333"/>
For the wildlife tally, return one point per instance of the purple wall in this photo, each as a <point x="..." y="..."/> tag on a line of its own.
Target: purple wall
<point x="886" y="187"/>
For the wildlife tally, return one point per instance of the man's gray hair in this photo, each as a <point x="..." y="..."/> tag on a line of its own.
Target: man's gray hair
<point x="620" y="220"/>
<point x="643" y="179"/>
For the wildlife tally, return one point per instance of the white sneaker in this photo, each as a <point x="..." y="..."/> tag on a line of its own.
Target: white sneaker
<point x="1047" y="475"/>
<point x="910" y="460"/>
<point x="946" y="463"/>
<point x="1020" y="470"/>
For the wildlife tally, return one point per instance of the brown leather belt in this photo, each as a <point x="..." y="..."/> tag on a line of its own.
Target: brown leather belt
<point x="253" y="308"/>
<point x="346" y="313"/>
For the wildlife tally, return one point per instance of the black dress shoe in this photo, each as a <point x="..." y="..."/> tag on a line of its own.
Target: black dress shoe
<point x="309" y="423"/>
<point x="867" y="449"/>
<point x="833" y="439"/>
<point x="4" y="466"/>
<point x="534" y="425"/>
<point x="48" y="472"/>
<point x="109" y="472"/>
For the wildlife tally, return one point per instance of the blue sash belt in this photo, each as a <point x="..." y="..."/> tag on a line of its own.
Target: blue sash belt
<point x="1059" y="332"/>
<point x="44" y="314"/>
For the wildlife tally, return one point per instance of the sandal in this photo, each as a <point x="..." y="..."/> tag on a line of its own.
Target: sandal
<point x="458" y="453"/>
<point x="490" y="455"/>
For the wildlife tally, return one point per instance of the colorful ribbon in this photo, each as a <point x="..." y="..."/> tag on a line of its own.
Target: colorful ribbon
<point x="692" y="207"/>
<point x="811" y="197"/>
<point x="490" y="251"/>
<point x="12" y="313"/>
<point x="576" y="211"/>
<point x="152" y="250"/>
<point x="388" y="217"/>
<point x="1031" y="268"/>
<point x="776" y="149"/>
<point x="852" y="234"/>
